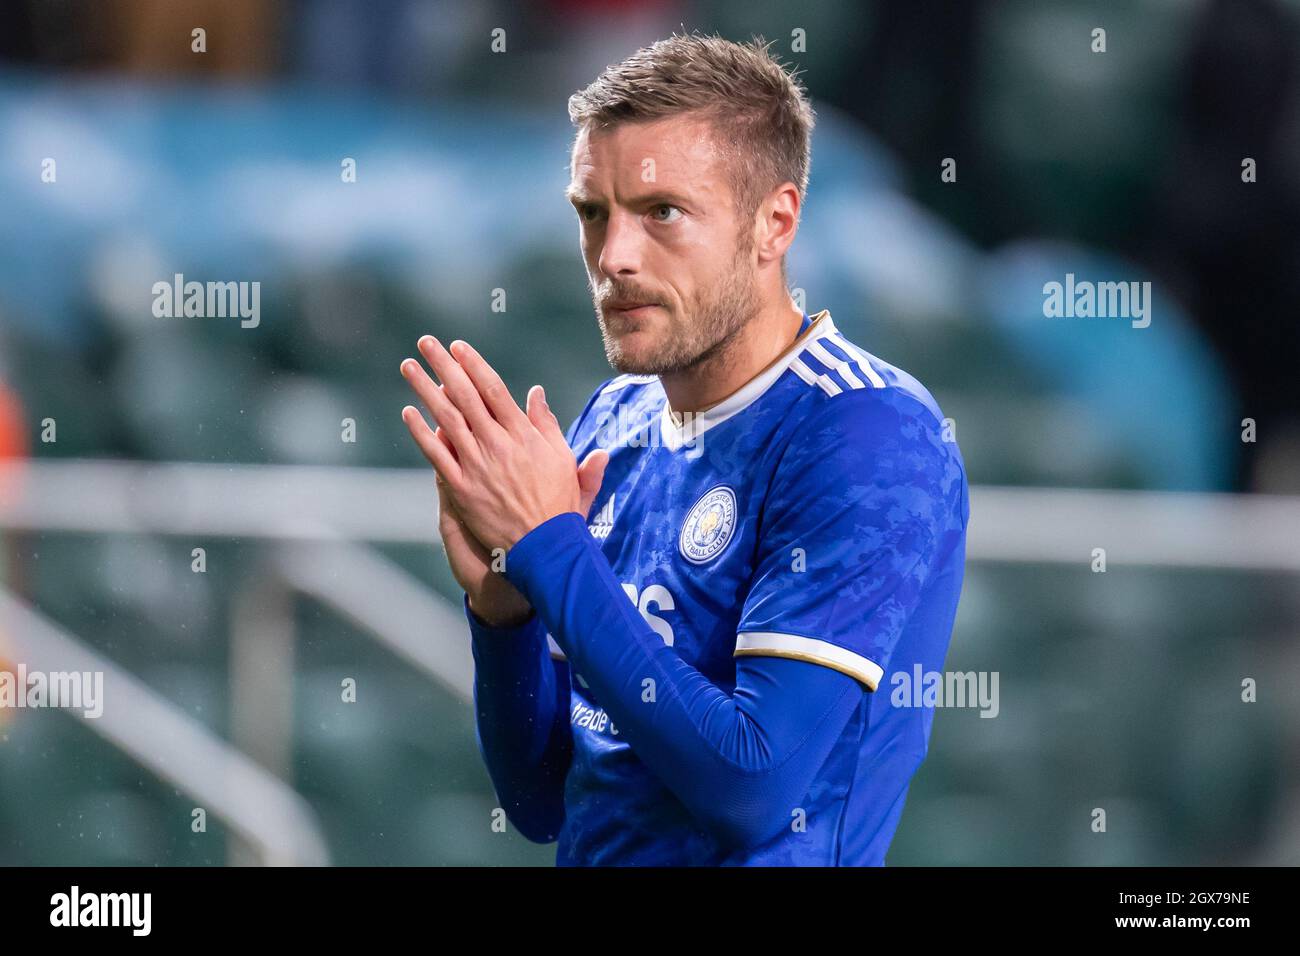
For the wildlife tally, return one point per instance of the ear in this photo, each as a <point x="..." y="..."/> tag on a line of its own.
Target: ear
<point x="778" y="223"/>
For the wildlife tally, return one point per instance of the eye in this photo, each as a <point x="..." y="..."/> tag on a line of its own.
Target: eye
<point x="665" y="207"/>
<point x="588" y="212"/>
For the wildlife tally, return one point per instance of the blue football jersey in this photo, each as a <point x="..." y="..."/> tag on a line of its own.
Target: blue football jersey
<point x="818" y="513"/>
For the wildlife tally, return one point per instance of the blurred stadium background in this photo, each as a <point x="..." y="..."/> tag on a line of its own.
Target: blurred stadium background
<point x="1119" y="690"/>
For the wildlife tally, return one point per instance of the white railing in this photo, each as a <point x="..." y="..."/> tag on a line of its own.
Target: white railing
<point x="265" y="813"/>
<point x="1168" y="529"/>
<point x="306" y="516"/>
<point x="399" y="505"/>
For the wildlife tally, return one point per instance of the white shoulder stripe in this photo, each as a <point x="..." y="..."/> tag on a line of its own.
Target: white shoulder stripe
<point x="807" y="374"/>
<point x="771" y="644"/>
<point x="864" y="362"/>
<point x="835" y="362"/>
<point x="803" y="371"/>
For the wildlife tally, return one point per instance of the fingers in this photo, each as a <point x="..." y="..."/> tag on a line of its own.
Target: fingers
<point x="543" y="419"/>
<point x="434" y="449"/>
<point x="441" y="434"/>
<point x="449" y="419"/>
<point x="452" y="529"/>
<point x="446" y="509"/>
<point x="490" y="388"/>
<point x="459" y="388"/>
<point x="591" y="474"/>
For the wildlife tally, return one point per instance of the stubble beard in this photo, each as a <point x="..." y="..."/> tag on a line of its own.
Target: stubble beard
<point x="704" y="335"/>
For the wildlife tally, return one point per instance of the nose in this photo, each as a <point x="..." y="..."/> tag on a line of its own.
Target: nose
<point x="620" y="255"/>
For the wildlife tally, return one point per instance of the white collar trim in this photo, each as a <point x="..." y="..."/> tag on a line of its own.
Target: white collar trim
<point x="675" y="436"/>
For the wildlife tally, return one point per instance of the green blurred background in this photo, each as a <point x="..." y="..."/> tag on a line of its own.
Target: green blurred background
<point x="1120" y="690"/>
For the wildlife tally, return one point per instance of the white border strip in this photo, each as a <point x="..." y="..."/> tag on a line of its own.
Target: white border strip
<point x="772" y="644"/>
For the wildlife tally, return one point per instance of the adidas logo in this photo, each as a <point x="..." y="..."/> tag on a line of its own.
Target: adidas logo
<point x="604" y="522"/>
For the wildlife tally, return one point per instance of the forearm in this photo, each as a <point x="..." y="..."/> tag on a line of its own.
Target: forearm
<point x="740" y="763"/>
<point x="522" y="722"/>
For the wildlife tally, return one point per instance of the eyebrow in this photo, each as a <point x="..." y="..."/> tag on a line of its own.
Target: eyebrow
<point x="577" y="196"/>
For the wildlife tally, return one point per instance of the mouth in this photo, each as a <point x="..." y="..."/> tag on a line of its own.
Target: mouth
<point x="630" y="310"/>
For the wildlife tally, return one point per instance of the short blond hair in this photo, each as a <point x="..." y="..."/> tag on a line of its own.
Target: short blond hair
<point x="758" y="109"/>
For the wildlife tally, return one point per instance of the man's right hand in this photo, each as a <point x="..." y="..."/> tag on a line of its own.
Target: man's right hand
<point x="492" y="598"/>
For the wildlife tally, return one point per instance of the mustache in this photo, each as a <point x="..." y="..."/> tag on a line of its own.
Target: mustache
<point x="625" y="294"/>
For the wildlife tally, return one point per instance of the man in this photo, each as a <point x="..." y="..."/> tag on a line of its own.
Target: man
<point x="765" y="519"/>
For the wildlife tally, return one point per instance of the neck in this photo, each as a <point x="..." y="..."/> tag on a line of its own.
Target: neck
<point x="736" y="360"/>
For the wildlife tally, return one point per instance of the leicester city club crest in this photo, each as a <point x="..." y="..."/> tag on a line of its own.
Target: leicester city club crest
<point x="709" y="525"/>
